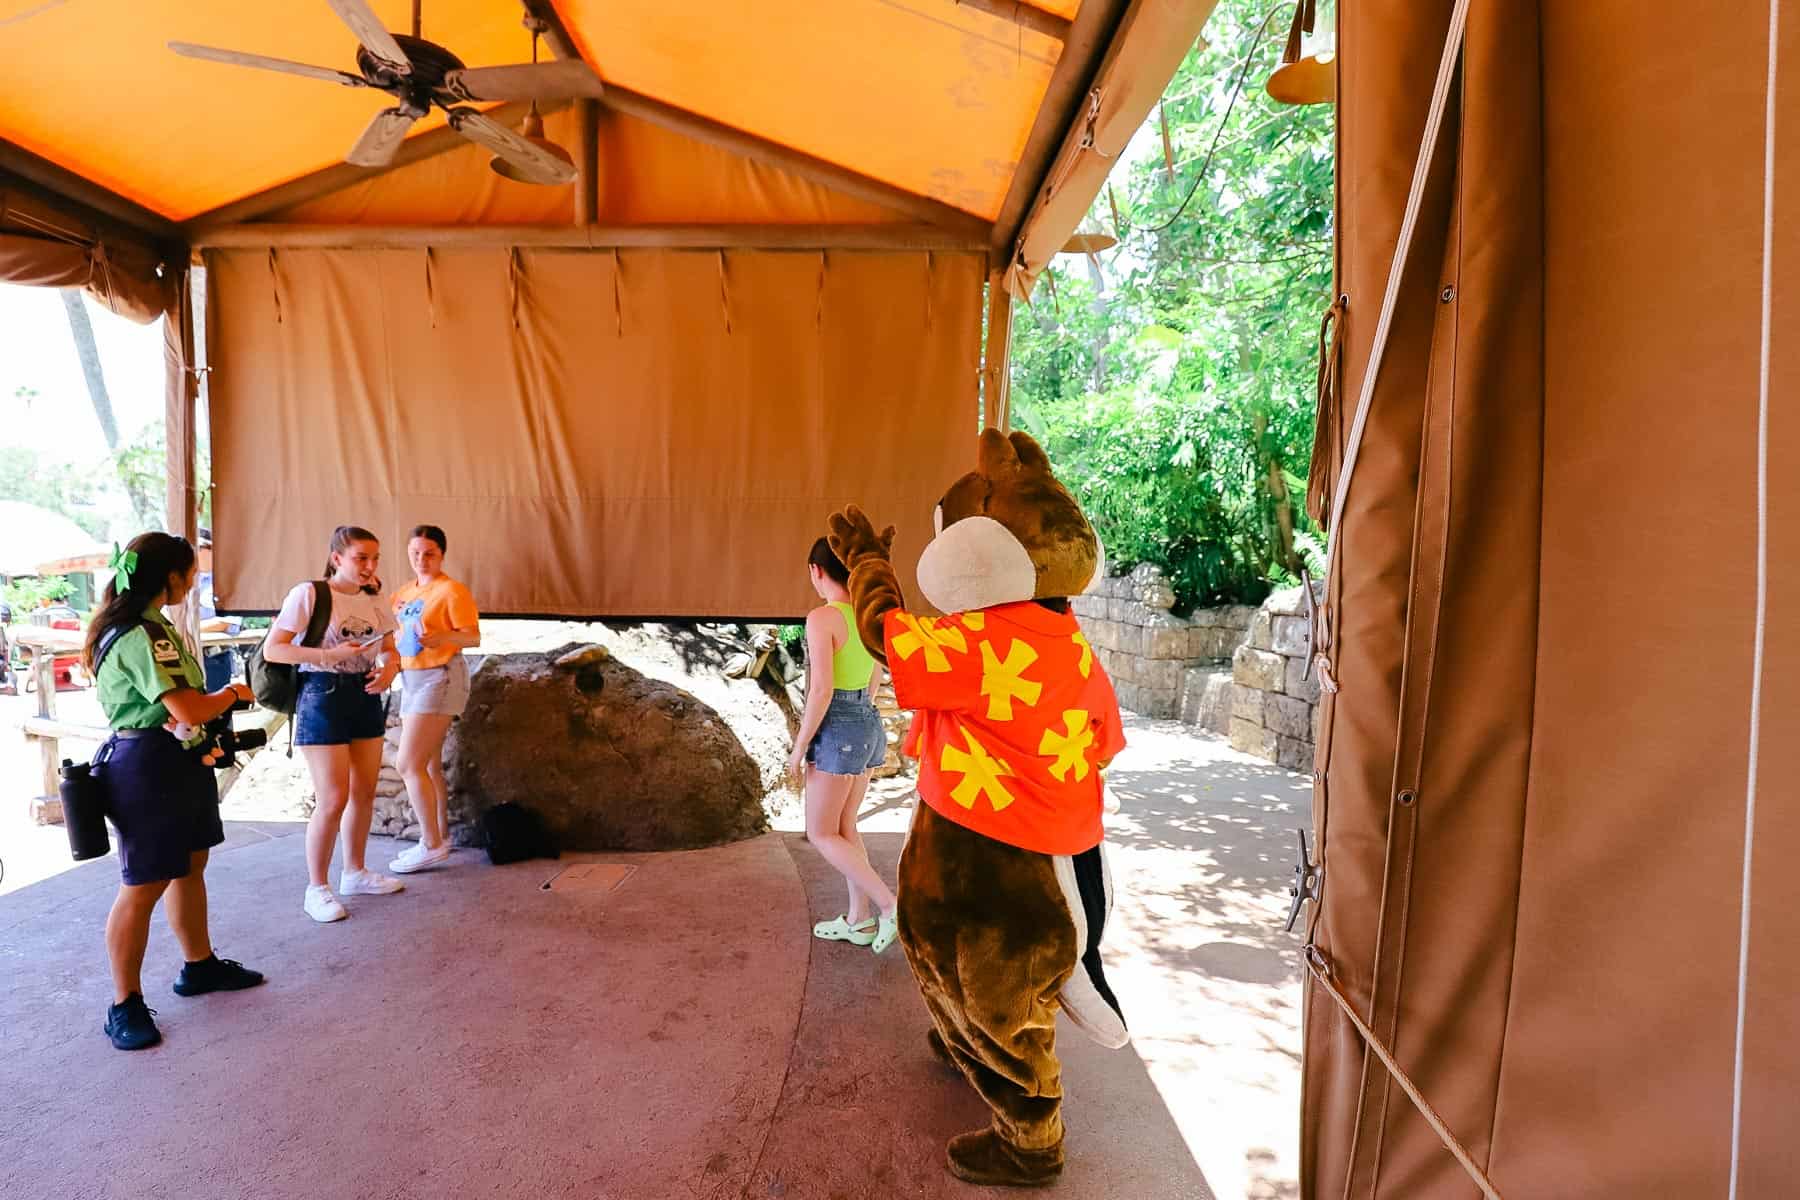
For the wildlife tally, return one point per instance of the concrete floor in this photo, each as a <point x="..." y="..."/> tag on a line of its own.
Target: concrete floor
<point x="680" y="1036"/>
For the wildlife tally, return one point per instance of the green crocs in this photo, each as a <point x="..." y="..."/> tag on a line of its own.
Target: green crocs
<point x="885" y="932"/>
<point x="839" y="929"/>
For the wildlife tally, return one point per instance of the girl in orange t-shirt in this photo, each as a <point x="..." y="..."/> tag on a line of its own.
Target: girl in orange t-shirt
<point x="438" y="621"/>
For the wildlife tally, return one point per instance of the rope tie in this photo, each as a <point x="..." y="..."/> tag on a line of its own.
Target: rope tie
<point x="618" y="298"/>
<point x="512" y="282"/>
<point x="724" y="291"/>
<point x="1325" y="420"/>
<point x="1320" y="967"/>
<point x="275" y="284"/>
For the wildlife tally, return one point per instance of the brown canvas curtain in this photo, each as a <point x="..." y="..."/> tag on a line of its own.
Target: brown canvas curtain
<point x="1533" y="794"/>
<point x="123" y="281"/>
<point x="41" y="245"/>
<point x="644" y="433"/>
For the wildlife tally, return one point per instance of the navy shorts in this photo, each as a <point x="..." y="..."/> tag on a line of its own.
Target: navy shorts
<point x="163" y="801"/>
<point x="335" y="710"/>
<point x="851" y="739"/>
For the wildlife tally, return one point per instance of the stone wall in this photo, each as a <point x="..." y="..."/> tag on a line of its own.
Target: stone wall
<point x="1147" y="650"/>
<point x="1238" y="671"/>
<point x="1275" y="699"/>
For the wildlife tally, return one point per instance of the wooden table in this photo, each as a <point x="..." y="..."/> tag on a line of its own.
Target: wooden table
<point x="43" y="646"/>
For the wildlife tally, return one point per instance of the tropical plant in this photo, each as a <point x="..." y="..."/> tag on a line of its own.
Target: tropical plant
<point x="1173" y="376"/>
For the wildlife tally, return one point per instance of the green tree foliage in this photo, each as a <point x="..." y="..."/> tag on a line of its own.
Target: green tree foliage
<point x="26" y="594"/>
<point x="1172" y="379"/>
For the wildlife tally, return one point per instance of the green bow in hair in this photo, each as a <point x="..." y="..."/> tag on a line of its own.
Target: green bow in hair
<point x="123" y="563"/>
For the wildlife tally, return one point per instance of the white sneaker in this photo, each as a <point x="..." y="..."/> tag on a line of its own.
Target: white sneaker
<point x="368" y="883"/>
<point x="322" y="906"/>
<point x="419" y="858"/>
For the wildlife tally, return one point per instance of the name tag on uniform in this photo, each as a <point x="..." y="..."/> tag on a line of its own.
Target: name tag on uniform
<point x="164" y="651"/>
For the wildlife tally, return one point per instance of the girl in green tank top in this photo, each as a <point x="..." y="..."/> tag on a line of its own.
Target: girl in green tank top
<point x="841" y="741"/>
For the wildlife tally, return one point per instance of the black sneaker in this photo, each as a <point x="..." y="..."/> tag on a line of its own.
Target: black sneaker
<point x="129" y="1026"/>
<point x="215" y="974"/>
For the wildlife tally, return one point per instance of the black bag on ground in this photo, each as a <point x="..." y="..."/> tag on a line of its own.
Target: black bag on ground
<point x="277" y="685"/>
<point x="514" y="833"/>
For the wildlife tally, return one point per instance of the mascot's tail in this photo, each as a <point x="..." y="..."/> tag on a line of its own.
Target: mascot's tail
<point x="1087" y="998"/>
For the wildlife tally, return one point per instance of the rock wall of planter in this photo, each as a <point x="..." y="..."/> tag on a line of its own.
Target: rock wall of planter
<point x="1238" y="671"/>
<point x="1148" y="650"/>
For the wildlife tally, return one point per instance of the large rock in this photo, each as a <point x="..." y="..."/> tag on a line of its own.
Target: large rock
<point x="612" y="759"/>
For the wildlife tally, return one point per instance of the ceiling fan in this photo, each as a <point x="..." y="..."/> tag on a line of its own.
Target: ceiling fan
<point x="419" y="74"/>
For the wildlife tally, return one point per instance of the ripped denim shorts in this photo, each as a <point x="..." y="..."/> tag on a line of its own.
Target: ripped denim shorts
<point x="851" y="739"/>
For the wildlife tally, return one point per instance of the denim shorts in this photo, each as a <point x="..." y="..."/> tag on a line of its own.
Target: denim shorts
<point x="443" y="691"/>
<point x="163" y="801"/>
<point x="335" y="710"/>
<point x="851" y="739"/>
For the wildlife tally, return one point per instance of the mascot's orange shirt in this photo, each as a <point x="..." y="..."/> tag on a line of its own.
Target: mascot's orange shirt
<point x="1014" y="718"/>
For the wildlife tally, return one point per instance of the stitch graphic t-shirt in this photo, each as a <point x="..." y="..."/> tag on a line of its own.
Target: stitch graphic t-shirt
<point x="440" y="606"/>
<point x="1014" y="718"/>
<point x="354" y="617"/>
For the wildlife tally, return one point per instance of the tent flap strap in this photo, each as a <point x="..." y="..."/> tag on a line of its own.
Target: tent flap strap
<point x="1320" y="967"/>
<point x="1434" y="121"/>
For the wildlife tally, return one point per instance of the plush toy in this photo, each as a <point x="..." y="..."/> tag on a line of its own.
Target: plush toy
<point x="1003" y="887"/>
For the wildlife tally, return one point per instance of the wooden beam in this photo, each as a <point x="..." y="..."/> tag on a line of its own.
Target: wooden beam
<point x="996" y="370"/>
<point x="587" y="162"/>
<point x="1090" y="35"/>
<point x="181" y="386"/>
<point x="158" y="236"/>
<point x="1025" y="16"/>
<point x="759" y="149"/>
<point x="594" y="237"/>
<point x="339" y="176"/>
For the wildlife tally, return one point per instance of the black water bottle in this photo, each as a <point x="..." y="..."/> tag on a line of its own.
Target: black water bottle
<point x="84" y="811"/>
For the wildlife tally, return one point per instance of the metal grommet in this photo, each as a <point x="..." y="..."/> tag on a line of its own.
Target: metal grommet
<point x="1406" y="798"/>
<point x="1448" y="294"/>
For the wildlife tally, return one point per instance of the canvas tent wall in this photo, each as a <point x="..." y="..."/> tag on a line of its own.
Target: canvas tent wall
<point x="1543" y="624"/>
<point x="761" y="299"/>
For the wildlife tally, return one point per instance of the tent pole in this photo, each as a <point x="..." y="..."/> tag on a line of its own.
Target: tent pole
<point x="596" y="237"/>
<point x="587" y="161"/>
<point x="181" y="513"/>
<point x="996" y="373"/>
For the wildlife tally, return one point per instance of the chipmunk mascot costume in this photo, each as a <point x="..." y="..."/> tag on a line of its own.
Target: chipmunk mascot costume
<point x="1003" y="891"/>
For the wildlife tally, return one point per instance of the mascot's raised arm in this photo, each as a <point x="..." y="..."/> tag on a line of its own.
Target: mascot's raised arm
<point x="1003" y="887"/>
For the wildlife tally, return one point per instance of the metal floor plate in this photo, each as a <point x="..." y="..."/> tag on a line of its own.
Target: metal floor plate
<point x="592" y="878"/>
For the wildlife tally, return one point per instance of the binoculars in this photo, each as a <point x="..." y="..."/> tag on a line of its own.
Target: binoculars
<point x="225" y="741"/>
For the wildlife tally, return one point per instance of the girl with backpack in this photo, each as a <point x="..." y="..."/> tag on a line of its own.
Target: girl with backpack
<point x="160" y="792"/>
<point x="438" y="621"/>
<point x="340" y="723"/>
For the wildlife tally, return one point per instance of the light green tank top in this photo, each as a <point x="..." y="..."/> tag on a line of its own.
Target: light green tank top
<point x="852" y="666"/>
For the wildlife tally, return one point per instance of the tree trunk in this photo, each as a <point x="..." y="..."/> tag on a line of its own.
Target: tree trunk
<point x="149" y="514"/>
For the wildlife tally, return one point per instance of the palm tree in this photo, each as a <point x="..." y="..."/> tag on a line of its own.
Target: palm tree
<point x="147" y="507"/>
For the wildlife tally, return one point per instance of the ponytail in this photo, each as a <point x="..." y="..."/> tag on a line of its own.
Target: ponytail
<point x="144" y="569"/>
<point x="341" y="539"/>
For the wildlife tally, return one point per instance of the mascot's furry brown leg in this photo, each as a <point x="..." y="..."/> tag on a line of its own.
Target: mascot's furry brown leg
<point x="1002" y="886"/>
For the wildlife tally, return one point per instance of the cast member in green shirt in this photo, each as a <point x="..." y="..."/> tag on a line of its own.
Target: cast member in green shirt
<point x="160" y="792"/>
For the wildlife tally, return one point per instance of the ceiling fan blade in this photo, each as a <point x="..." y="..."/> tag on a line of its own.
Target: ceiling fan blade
<point x="372" y="34"/>
<point x="537" y="164"/>
<point x="381" y="140"/>
<point x="565" y="80"/>
<point x="238" y="58"/>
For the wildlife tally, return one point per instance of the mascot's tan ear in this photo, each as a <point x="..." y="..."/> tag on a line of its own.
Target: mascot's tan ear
<point x="1031" y="456"/>
<point x="996" y="457"/>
